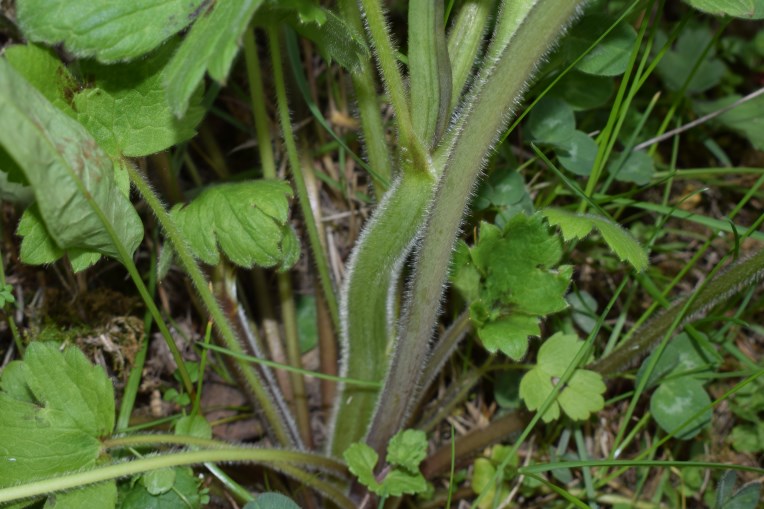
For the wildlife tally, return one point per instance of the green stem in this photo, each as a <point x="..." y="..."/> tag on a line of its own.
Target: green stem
<point x="275" y="420"/>
<point x="411" y="146"/>
<point x="288" y="313"/>
<point x="134" y="379"/>
<point x="737" y="277"/>
<point x="277" y="459"/>
<point x="368" y="107"/>
<point x="429" y="70"/>
<point x="496" y="91"/>
<point x="367" y="307"/>
<point x="303" y="197"/>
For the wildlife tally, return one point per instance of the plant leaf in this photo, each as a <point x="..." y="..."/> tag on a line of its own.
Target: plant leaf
<point x="407" y="449"/>
<point x="509" y="334"/>
<point x="577" y="153"/>
<point x="747" y="119"/>
<point x="677" y="399"/>
<point x="109" y="31"/>
<point x="176" y="488"/>
<point x="272" y="501"/>
<point x="746" y="9"/>
<point x="361" y="460"/>
<point x="574" y="226"/>
<point x="54" y="406"/>
<point x="64" y="165"/>
<point x="582" y="395"/>
<point x="97" y="496"/>
<point x="248" y="221"/>
<point x="679" y="62"/>
<point x="210" y="46"/>
<point x="551" y="121"/>
<point x="43" y="70"/>
<point x="127" y="109"/>
<point x="611" y="56"/>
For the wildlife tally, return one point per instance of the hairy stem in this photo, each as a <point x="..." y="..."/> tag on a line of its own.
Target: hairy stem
<point x="368" y="107"/>
<point x="277" y="422"/>
<point x="738" y="276"/>
<point x="529" y="32"/>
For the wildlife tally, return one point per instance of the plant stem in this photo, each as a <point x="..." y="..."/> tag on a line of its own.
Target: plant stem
<point x="276" y="420"/>
<point x="288" y="313"/>
<point x="736" y="277"/>
<point x="319" y="256"/>
<point x="368" y="107"/>
<point x="496" y="91"/>
<point x="277" y="459"/>
<point x="411" y="146"/>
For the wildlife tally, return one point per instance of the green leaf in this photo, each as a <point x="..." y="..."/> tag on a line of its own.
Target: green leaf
<point x="518" y="262"/>
<point x="584" y="310"/>
<point x="361" y="460"/>
<point x="64" y="166"/>
<point x="746" y="119"/>
<point x="307" y="325"/>
<point x="334" y="38"/>
<point x="193" y="425"/>
<point x="677" y="64"/>
<point x="512" y="281"/>
<point x="272" y="501"/>
<point x="747" y="497"/>
<point x="577" y="153"/>
<point x="400" y="482"/>
<point x="44" y="71"/>
<point x="677" y="399"/>
<point x="404" y="453"/>
<point x="724" y="487"/>
<point x="509" y="334"/>
<point x="584" y="91"/>
<point x="98" y="496"/>
<point x="484" y="483"/>
<point x="127" y="109"/>
<point x="109" y="31"/>
<point x="683" y="355"/>
<point x="505" y="189"/>
<point x="580" y="397"/>
<point x="407" y="449"/>
<point x="748" y="437"/>
<point x="54" y="406"/>
<point x="551" y="121"/>
<point x="210" y="46"/>
<point x="38" y="248"/>
<point x="637" y="167"/>
<point x="159" y="481"/>
<point x="176" y="488"/>
<point x="746" y="9"/>
<point x="247" y="221"/>
<point x="611" y="56"/>
<point x="578" y="226"/>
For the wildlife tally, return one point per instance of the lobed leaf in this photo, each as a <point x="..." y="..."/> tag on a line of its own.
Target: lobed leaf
<point x="247" y="221"/>
<point x="578" y="226"/>
<point x="272" y="501"/>
<point x="581" y="396"/>
<point x="109" y="31"/>
<point x="54" y="406"/>
<point x="407" y="449"/>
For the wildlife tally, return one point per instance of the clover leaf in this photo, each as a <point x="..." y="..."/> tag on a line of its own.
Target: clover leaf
<point x="581" y="395"/>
